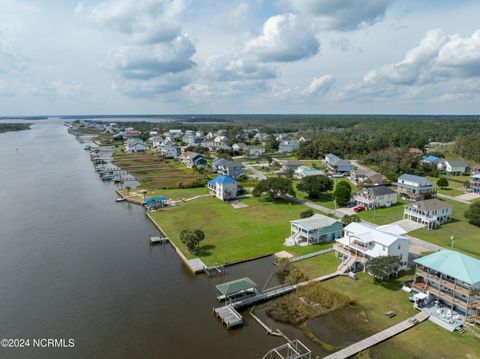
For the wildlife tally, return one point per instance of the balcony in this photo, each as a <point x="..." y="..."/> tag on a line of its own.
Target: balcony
<point x="444" y="282"/>
<point x="348" y="252"/>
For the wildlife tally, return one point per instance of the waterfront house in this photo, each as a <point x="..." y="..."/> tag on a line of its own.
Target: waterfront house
<point x="367" y="177"/>
<point x="338" y="165"/>
<point x="133" y="145"/>
<point x="156" y="202"/>
<point x="305" y="171"/>
<point x="223" y="187"/>
<point x="475" y="182"/>
<point x="450" y="285"/>
<point x="286" y="146"/>
<point x="291" y="165"/>
<point x="228" y="168"/>
<point x="254" y="151"/>
<point x="431" y="212"/>
<point x="362" y="241"/>
<point x="315" y="229"/>
<point x="452" y="167"/>
<point x="376" y="197"/>
<point x="415" y="188"/>
<point x="193" y="159"/>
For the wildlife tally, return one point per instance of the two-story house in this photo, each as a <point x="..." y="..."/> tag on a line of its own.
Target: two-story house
<point x="253" y="151"/>
<point x="376" y="197"/>
<point x="415" y="188"/>
<point x="431" y="212"/>
<point x="452" y="167"/>
<point x="315" y="229"/>
<point x="362" y="241"/>
<point x="133" y="145"/>
<point x="338" y="165"/>
<point x="306" y="171"/>
<point x="223" y="187"/>
<point x="193" y="159"/>
<point x="367" y="177"/>
<point x="286" y="146"/>
<point x="475" y="182"/>
<point x="228" y="168"/>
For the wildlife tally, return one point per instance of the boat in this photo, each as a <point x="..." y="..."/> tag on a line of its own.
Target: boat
<point x="120" y="199"/>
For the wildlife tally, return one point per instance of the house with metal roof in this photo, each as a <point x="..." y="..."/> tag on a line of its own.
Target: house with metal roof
<point x="235" y="288"/>
<point x="228" y="168"/>
<point x="415" y="188"/>
<point x="223" y="187"/>
<point x="291" y="165"/>
<point x="452" y="167"/>
<point x="315" y="229"/>
<point x="450" y="284"/>
<point x="305" y="171"/>
<point x="156" y="202"/>
<point x="286" y="146"/>
<point x="431" y="212"/>
<point x="376" y="197"/>
<point x="431" y="160"/>
<point x="363" y="241"/>
<point x="338" y="165"/>
<point x="367" y="177"/>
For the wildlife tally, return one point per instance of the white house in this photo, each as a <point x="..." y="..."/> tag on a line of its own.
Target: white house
<point x="415" y="188"/>
<point x="431" y="212"/>
<point x="452" y="167"/>
<point x="475" y="182"/>
<point x="362" y="241"/>
<point x="254" y="151"/>
<point x="288" y="146"/>
<point x="305" y="171"/>
<point x="376" y="197"/>
<point x="239" y="147"/>
<point x="315" y="229"/>
<point x="133" y="145"/>
<point x="223" y="187"/>
<point x="170" y="150"/>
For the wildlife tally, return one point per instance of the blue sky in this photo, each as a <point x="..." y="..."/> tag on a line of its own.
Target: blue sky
<point x="284" y="56"/>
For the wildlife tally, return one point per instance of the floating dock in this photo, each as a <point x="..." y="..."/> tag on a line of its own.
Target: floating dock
<point x="157" y="239"/>
<point x="228" y="315"/>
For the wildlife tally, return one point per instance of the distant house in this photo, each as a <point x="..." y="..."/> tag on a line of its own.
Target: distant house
<point x="175" y="133"/>
<point x="338" y="165"/>
<point x="315" y="229"/>
<point x="366" y="176"/>
<point x="228" y="168"/>
<point x="133" y="145"/>
<point x="305" y="171"/>
<point x="193" y="159"/>
<point x="239" y="147"/>
<point x="431" y="160"/>
<point x="303" y="139"/>
<point x="156" y="141"/>
<point x="475" y="182"/>
<point x="169" y="149"/>
<point x="156" y="202"/>
<point x="376" y="197"/>
<point x="431" y="212"/>
<point x="131" y="133"/>
<point x="291" y="165"/>
<point x="452" y="279"/>
<point x="288" y="146"/>
<point x="254" y="151"/>
<point x="223" y="187"/>
<point x="261" y="137"/>
<point x="452" y="167"/>
<point x="416" y="151"/>
<point x="362" y="241"/>
<point x="415" y="188"/>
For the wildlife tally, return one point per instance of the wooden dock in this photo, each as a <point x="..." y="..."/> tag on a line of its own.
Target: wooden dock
<point x="228" y="315"/>
<point x="379" y="337"/>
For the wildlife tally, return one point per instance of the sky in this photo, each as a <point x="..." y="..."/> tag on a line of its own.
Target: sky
<point x="237" y="56"/>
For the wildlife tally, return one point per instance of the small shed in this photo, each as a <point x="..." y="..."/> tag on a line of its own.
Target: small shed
<point x="238" y="287"/>
<point x="156" y="202"/>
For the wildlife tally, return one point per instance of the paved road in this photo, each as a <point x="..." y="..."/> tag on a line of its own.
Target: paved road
<point x="453" y="198"/>
<point x="256" y="173"/>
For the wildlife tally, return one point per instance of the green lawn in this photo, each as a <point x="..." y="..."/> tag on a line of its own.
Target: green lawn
<point x="176" y="194"/>
<point x="233" y="234"/>
<point x="455" y="185"/>
<point x="326" y="199"/>
<point x="320" y="265"/>
<point x="467" y="236"/>
<point x="384" y="215"/>
<point x="366" y="316"/>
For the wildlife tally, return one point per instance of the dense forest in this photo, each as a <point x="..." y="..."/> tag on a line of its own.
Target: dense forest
<point x="6" y="127"/>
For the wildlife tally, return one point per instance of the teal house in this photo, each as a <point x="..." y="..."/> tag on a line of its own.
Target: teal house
<point x="315" y="229"/>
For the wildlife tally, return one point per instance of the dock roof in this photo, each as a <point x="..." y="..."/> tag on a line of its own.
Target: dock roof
<point x="236" y="286"/>
<point x="453" y="264"/>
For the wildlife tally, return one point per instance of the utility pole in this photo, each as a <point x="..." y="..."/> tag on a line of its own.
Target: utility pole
<point x="452" y="240"/>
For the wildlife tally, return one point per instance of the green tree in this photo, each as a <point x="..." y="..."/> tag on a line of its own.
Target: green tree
<point x="382" y="267"/>
<point x="307" y="213"/>
<point x="200" y="236"/>
<point x="315" y="185"/>
<point x="289" y="173"/>
<point x="284" y="265"/>
<point x="442" y="182"/>
<point x="346" y="219"/>
<point x="274" y="187"/>
<point x="473" y="213"/>
<point x="342" y="193"/>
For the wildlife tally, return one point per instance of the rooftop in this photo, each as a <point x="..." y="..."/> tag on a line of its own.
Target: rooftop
<point x="314" y="222"/>
<point x="413" y="178"/>
<point x="378" y="191"/>
<point x="453" y="264"/>
<point x="221" y="180"/>
<point x="236" y="286"/>
<point x="430" y="205"/>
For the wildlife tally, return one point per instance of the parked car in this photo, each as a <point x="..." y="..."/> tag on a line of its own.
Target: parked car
<point x="359" y="208"/>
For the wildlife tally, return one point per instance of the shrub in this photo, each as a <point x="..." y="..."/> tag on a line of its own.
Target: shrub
<point x="307" y="213"/>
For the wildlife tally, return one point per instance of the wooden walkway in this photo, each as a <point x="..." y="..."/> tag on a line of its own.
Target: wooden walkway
<point x="310" y="255"/>
<point x="378" y="338"/>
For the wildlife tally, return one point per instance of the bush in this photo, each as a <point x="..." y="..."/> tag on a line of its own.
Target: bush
<point x="315" y="185"/>
<point x="442" y="182"/>
<point x="342" y="193"/>
<point x="473" y="214"/>
<point x="307" y="213"/>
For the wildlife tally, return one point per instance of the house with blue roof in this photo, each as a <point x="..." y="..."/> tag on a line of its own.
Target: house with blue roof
<point x="223" y="187"/>
<point x="415" y="188"/>
<point x="449" y="287"/>
<point x="431" y="160"/>
<point x="156" y="202"/>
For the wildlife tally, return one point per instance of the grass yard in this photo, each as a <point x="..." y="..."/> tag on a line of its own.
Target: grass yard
<point x="326" y="199"/>
<point x="366" y="317"/>
<point x="467" y="236"/>
<point x="455" y="185"/>
<point x="176" y="194"/>
<point x="233" y="234"/>
<point x="384" y="215"/>
<point x="320" y="265"/>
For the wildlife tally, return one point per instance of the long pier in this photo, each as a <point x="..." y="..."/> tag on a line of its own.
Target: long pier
<point x="379" y="337"/>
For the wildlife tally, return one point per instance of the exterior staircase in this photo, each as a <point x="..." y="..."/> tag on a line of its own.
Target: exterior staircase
<point x="292" y="240"/>
<point x="346" y="265"/>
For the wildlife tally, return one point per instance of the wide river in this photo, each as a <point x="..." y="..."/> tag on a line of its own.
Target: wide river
<point x="75" y="264"/>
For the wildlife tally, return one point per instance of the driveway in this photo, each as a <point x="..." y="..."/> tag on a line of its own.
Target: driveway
<point x="468" y="197"/>
<point x="255" y="173"/>
<point x="408" y="225"/>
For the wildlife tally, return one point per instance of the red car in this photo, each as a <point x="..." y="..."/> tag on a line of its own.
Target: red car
<point x="359" y="208"/>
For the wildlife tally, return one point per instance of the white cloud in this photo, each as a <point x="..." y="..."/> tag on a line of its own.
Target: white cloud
<point x="319" y="85"/>
<point x="344" y="15"/>
<point x="237" y="67"/>
<point x="60" y="90"/>
<point x="150" y="88"/>
<point x="462" y="53"/>
<point x="284" y="38"/>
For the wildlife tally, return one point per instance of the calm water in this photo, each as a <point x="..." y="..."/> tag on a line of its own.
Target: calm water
<point x="75" y="264"/>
